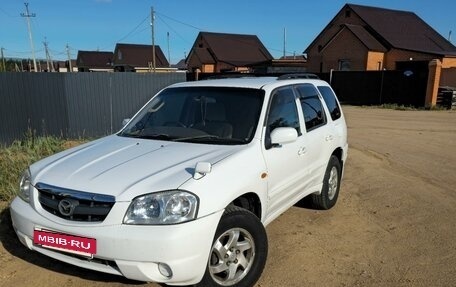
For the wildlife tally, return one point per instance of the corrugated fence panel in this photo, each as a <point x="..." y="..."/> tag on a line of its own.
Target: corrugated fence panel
<point x="88" y="106"/>
<point x="35" y="103"/>
<point x="74" y="104"/>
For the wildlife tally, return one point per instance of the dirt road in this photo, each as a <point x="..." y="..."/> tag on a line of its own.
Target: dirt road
<point x="394" y="224"/>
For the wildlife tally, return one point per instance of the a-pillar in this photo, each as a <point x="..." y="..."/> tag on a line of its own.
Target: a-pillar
<point x="435" y="68"/>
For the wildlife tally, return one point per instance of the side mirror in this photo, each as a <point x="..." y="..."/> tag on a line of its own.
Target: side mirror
<point x="125" y="122"/>
<point x="280" y="136"/>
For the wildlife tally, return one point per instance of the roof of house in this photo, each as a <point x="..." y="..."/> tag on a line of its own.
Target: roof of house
<point x="181" y="65"/>
<point x="366" y="38"/>
<point x="300" y="57"/>
<point x="136" y="55"/>
<point x="396" y="29"/>
<point x="234" y="49"/>
<point x="94" y="59"/>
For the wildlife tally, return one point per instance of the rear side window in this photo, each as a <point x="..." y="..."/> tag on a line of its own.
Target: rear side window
<point x="330" y="101"/>
<point x="314" y="114"/>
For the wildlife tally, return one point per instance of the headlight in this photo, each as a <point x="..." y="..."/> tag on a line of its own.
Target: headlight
<point x="25" y="186"/>
<point x="169" y="207"/>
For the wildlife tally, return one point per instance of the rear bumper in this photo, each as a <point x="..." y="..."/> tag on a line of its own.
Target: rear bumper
<point x="129" y="250"/>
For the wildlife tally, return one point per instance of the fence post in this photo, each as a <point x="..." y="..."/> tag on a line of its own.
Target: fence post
<point x="435" y="68"/>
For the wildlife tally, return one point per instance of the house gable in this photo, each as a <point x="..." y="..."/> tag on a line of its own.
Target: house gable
<point x="226" y="51"/>
<point x="381" y="31"/>
<point x="136" y="56"/>
<point x="94" y="60"/>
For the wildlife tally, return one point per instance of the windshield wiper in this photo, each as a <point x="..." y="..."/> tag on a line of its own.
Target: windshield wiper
<point x="211" y="139"/>
<point x="151" y="136"/>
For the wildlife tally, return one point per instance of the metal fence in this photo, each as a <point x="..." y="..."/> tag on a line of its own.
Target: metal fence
<point x="379" y="87"/>
<point x="73" y="105"/>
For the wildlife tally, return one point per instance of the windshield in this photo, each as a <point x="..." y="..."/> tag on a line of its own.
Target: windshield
<point x="215" y="115"/>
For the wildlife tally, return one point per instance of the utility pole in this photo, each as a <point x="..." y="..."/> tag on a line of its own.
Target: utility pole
<point x="3" y="61"/>
<point x="284" y="41"/>
<point x="69" y="58"/>
<point x="169" y="54"/>
<point x="152" y="19"/>
<point x="28" y="16"/>
<point x="50" y="65"/>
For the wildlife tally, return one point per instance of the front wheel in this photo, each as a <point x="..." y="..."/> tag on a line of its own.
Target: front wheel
<point x="238" y="252"/>
<point x="331" y="184"/>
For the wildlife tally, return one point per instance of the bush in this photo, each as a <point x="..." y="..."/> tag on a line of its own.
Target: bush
<point x="15" y="158"/>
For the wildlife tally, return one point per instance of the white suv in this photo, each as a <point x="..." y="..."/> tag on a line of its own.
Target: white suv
<point x="182" y="194"/>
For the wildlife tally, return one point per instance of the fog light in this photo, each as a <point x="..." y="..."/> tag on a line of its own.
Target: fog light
<point x="165" y="270"/>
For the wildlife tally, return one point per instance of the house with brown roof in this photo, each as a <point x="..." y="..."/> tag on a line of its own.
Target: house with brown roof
<point x="369" y="38"/>
<point x="94" y="61"/>
<point x="139" y="58"/>
<point x="221" y="52"/>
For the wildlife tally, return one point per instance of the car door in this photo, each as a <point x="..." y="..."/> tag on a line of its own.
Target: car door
<point x="319" y="132"/>
<point x="286" y="164"/>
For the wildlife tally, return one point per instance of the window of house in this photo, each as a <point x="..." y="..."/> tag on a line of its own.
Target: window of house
<point x="344" y="65"/>
<point x="314" y="114"/>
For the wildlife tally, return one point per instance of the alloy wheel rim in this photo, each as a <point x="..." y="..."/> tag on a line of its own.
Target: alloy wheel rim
<point x="232" y="256"/>
<point x="333" y="182"/>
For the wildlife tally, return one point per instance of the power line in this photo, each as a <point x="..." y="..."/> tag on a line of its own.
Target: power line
<point x="130" y="33"/>
<point x="6" y="13"/>
<point x="134" y="29"/>
<point x="180" y="22"/>
<point x="175" y="32"/>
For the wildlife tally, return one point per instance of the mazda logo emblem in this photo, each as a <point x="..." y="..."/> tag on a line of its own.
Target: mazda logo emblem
<point x="67" y="206"/>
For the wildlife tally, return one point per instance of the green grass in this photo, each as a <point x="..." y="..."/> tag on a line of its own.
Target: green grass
<point x="14" y="159"/>
<point x="410" y="108"/>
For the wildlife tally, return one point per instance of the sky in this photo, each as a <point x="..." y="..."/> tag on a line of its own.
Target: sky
<point x="99" y="24"/>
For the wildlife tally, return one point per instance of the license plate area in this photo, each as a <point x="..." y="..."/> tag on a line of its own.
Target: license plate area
<point x="73" y="244"/>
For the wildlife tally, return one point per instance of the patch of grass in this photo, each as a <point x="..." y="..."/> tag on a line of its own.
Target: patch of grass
<point x="14" y="159"/>
<point x="398" y="107"/>
<point x="410" y="108"/>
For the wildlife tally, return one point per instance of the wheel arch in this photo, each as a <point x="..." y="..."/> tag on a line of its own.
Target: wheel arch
<point x="249" y="201"/>
<point x="338" y="152"/>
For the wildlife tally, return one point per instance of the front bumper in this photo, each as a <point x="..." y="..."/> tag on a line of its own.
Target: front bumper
<point x="133" y="251"/>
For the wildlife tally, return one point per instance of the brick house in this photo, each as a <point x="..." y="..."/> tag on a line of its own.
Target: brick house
<point x="220" y="52"/>
<point x="138" y="58"/>
<point x="361" y="38"/>
<point x="94" y="61"/>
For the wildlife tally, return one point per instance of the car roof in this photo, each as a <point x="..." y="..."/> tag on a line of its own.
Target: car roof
<point x="249" y="82"/>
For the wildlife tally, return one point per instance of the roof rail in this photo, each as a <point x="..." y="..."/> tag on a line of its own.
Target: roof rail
<point x="298" y="76"/>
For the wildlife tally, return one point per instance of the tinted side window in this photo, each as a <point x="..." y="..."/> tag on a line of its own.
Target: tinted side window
<point x="283" y="111"/>
<point x="314" y="114"/>
<point x="331" y="102"/>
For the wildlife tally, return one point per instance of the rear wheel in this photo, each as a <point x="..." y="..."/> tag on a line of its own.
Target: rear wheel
<point x="238" y="252"/>
<point x="331" y="184"/>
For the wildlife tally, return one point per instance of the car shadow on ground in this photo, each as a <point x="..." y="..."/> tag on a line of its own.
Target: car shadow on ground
<point x="12" y="245"/>
<point x="306" y="203"/>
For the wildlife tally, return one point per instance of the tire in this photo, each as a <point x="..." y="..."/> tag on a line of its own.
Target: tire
<point x="239" y="250"/>
<point x="331" y="184"/>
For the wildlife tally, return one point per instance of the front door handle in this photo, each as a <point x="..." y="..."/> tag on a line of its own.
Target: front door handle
<point x="302" y="150"/>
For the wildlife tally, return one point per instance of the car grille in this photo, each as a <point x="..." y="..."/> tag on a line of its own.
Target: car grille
<point x="74" y="205"/>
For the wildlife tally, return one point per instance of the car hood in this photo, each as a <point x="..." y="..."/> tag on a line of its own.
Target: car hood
<point x="126" y="167"/>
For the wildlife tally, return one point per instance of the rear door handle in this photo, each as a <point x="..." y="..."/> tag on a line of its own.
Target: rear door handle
<point x="329" y="138"/>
